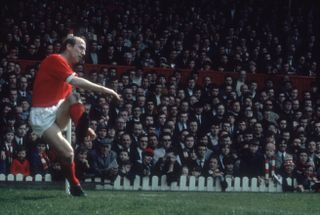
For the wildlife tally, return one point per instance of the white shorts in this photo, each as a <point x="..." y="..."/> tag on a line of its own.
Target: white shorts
<point x="42" y="118"/>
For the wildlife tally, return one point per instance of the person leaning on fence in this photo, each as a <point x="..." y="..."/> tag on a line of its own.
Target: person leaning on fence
<point x="20" y="165"/>
<point x="53" y="104"/>
<point x="83" y="166"/>
<point x="105" y="163"/>
<point x="125" y="166"/>
<point x="309" y="180"/>
<point x="39" y="159"/>
<point x="146" y="168"/>
<point x="213" y="170"/>
<point x="7" y="150"/>
<point x="252" y="161"/>
<point x="286" y="172"/>
<point x="170" y="166"/>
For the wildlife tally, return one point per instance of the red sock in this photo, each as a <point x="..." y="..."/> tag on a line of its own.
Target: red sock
<point x="69" y="171"/>
<point x="76" y="110"/>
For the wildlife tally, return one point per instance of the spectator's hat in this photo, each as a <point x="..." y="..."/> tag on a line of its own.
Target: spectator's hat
<point x="104" y="142"/>
<point x="148" y="152"/>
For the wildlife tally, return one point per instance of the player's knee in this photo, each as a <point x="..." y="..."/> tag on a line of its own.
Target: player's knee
<point x="68" y="156"/>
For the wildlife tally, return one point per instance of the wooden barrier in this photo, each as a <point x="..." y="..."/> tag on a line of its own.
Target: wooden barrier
<point x="154" y="183"/>
<point x="302" y="83"/>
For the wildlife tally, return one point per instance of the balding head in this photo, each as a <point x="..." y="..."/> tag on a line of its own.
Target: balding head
<point x="73" y="49"/>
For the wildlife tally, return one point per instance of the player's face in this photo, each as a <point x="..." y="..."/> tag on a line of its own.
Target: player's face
<point x="78" y="51"/>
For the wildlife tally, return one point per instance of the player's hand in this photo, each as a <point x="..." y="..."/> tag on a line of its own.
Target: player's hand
<point x="116" y="95"/>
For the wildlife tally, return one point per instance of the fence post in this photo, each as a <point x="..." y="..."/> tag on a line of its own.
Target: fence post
<point x="230" y="188"/>
<point x="163" y="183"/>
<point x="254" y="185"/>
<point x="127" y="184"/>
<point x="237" y="184"/>
<point x="19" y="177"/>
<point x="183" y="183"/>
<point x="262" y="186"/>
<point x="155" y="183"/>
<point x="245" y="184"/>
<point x="210" y="184"/>
<point x="29" y="178"/>
<point x="136" y="183"/>
<point x="145" y="183"/>
<point x="47" y="178"/>
<point x="38" y="178"/>
<point x="3" y="177"/>
<point x="218" y="184"/>
<point x="117" y="183"/>
<point x="272" y="186"/>
<point x="10" y="177"/>
<point x="192" y="183"/>
<point x="201" y="182"/>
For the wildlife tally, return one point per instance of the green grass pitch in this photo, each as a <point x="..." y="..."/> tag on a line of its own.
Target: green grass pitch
<point x="53" y="201"/>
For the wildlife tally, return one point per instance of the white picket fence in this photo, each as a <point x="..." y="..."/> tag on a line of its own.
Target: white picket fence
<point x="22" y="178"/>
<point x="159" y="184"/>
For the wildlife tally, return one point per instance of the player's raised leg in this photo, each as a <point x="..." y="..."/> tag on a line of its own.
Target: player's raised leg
<point x="73" y="108"/>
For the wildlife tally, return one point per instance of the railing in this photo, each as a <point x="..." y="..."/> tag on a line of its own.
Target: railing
<point x="302" y="83"/>
<point x="160" y="184"/>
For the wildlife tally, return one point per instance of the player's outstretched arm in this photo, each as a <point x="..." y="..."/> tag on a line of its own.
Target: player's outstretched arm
<point x="88" y="85"/>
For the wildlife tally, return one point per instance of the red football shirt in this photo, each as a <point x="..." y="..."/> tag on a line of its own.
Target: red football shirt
<point x="20" y="167"/>
<point x="50" y="85"/>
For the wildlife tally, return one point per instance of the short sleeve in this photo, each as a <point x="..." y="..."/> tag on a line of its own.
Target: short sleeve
<point x="70" y="77"/>
<point x="59" y="68"/>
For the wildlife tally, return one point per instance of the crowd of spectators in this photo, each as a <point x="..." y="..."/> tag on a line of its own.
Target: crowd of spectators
<point x="163" y="126"/>
<point x="225" y="35"/>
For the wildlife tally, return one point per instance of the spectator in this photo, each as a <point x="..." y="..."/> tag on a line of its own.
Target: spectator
<point x="303" y="162"/>
<point x="125" y="166"/>
<point x="288" y="172"/>
<point x="227" y="117"/>
<point x="141" y="146"/>
<point x="7" y="151"/>
<point x="39" y="160"/>
<point x="20" y="165"/>
<point x="269" y="161"/>
<point x="105" y="163"/>
<point x="169" y="166"/>
<point x="213" y="168"/>
<point x="282" y="153"/>
<point x="83" y="167"/>
<point x="251" y="162"/>
<point x="165" y="145"/>
<point x="146" y="168"/>
<point x="308" y="180"/>
<point x="20" y="134"/>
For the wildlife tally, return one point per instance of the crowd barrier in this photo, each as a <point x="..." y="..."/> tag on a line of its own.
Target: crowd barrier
<point x="302" y="83"/>
<point x="156" y="183"/>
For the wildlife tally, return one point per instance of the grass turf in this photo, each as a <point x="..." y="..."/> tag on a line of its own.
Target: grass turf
<point x="47" y="202"/>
